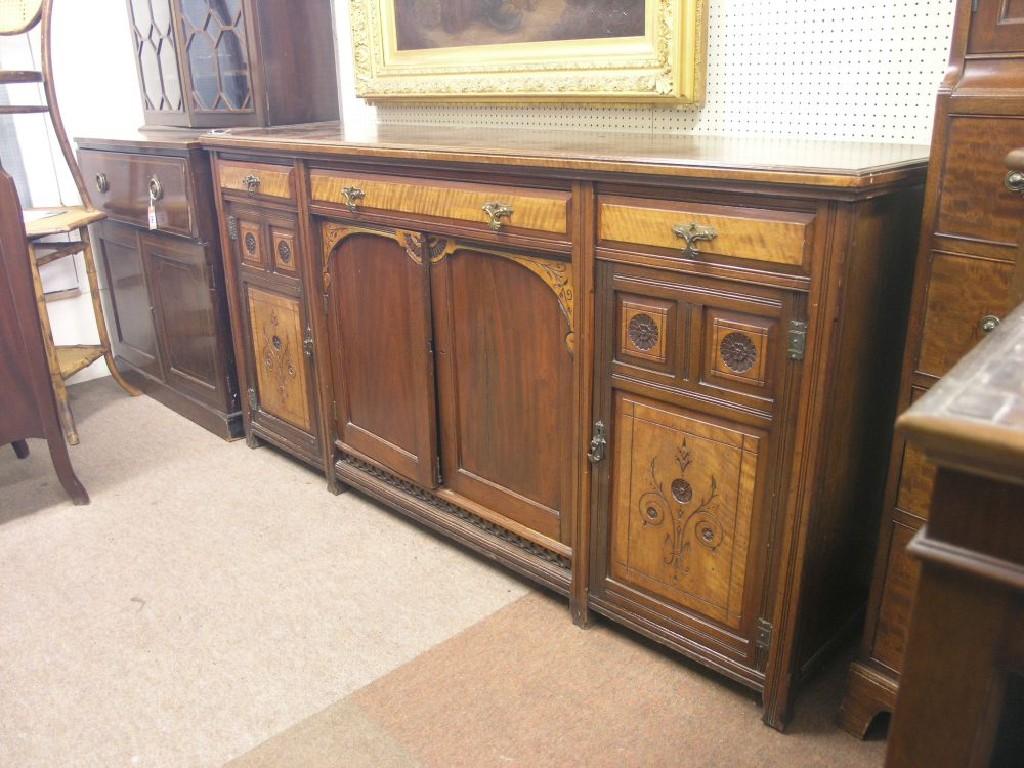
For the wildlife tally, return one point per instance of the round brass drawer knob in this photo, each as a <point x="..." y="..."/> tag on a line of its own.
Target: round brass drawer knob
<point x="988" y="323"/>
<point x="102" y="183"/>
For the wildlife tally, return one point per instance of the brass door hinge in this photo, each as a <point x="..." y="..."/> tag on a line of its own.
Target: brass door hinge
<point x="796" y="340"/>
<point x="437" y="471"/>
<point x="232" y="228"/>
<point x="254" y="400"/>
<point x="763" y="639"/>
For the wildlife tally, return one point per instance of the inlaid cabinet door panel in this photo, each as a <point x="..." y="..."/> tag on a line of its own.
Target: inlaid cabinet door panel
<point x="684" y="490"/>
<point x="379" y="316"/>
<point x="182" y="285"/>
<point x="503" y="324"/>
<point x="282" y="371"/>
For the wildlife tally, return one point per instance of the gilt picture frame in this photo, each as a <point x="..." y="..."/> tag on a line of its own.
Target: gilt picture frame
<point x="593" y="51"/>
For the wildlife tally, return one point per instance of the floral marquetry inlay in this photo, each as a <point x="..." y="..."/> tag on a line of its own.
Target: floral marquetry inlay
<point x="682" y="506"/>
<point x="277" y="332"/>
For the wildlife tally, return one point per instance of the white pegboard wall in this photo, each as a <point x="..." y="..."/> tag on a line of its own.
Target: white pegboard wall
<point x="824" y="69"/>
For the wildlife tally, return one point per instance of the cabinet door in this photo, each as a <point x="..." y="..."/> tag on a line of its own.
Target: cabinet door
<point x="216" y="62"/>
<point x="381" y="349"/>
<point x="277" y="335"/>
<point x="129" y="311"/>
<point x="183" y="300"/>
<point x="504" y="351"/>
<point x="693" y="377"/>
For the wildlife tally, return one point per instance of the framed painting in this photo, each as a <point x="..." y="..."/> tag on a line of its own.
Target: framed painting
<point x="529" y="50"/>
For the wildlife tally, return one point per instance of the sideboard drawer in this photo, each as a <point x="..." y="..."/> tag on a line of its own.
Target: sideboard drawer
<point x="512" y="208"/>
<point x="778" y="237"/>
<point x="258" y="179"/>
<point x="122" y="185"/>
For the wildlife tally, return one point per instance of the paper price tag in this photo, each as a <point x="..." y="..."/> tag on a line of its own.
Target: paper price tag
<point x="152" y="216"/>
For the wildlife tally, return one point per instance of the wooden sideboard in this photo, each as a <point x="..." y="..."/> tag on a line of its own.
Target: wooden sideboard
<point x="971" y="553"/>
<point x="164" y="291"/>
<point x="969" y="272"/>
<point x="654" y="374"/>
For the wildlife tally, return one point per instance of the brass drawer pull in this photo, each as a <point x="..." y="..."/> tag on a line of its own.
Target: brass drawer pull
<point x="252" y="184"/>
<point x="156" y="189"/>
<point x="988" y="323"/>
<point x="496" y="212"/>
<point x="1015" y="182"/>
<point x="352" y="197"/>
<point x="693" y="233"/>
<point x="102" y="183"/>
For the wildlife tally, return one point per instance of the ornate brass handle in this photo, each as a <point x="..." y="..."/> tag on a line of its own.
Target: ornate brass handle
<point x="496" y="212"/>
<point x="598" y="443"/>
<point x="156" y="189"/>
<point x="988" y="323"/>
<point x="693" y="233"/>
<point x="102" y="183"/>
<point x="252" y="184"/>
<point x="1015" y="182"/>
<point x="352" y="197"/>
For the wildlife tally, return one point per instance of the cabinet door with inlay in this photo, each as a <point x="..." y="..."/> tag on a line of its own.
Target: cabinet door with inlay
<point x="280" y="371"/>
<point x="504" y="329"/>
<point x="381" y="349"/>
<point x="695" y="384"/>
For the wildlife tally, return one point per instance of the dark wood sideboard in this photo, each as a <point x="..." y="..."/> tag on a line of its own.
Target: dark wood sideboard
<point x="654" y="374"/>
<point x="969" y="273"/>
<point x="967" y="624"/>
<point x="164" y="291"/>
<point x="28" y="407"/>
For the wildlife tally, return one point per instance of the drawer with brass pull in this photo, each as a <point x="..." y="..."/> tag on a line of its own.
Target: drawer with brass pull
<point x="495" y="208"/>
<point x="702" y="231"/>
<point x="258" y="179"/>
<point x="124" y="186"/>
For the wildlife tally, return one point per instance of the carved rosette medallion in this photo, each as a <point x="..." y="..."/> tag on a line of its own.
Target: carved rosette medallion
<point x="250" y="243"/>
<point x="643" y="332"/>
<point x="284" y="251"/>
<point x="738" y="352"/>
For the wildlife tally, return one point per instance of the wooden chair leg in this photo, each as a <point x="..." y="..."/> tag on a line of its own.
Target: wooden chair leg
<point x="66" y="473"/>
<point x="97" y="309"/>
<point x="20" y="448"/>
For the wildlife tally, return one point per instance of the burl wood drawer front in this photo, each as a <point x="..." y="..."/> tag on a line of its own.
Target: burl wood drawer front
<point x="963" y="295"/>
<point x="258" y="179"/>
<point x="975" y="203"/>
<point x="699" y="231"/>
<point x="683" y="506"/>
<point x="538" y="210"/>
<point x="120" y="184"/>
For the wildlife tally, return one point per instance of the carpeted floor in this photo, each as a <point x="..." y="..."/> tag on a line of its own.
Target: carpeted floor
<point x="215" y="605"/>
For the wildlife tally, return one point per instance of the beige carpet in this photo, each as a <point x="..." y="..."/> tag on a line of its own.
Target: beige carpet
<point x="215" y="604"/>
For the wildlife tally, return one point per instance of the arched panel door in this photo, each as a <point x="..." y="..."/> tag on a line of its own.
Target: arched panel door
<point x="503" y="325"/>
<point x="381" y="349"/>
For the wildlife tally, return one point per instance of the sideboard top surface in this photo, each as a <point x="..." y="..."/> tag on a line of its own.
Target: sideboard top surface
<point x="791" y="161"/>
